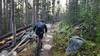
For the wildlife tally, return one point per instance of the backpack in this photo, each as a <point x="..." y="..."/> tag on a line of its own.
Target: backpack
<point x="40" y="27"/>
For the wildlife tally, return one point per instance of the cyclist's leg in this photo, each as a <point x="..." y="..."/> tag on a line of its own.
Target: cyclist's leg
<point x="38" y="46"/>
<point x="39" y="43"/>
<point x="41" y="37"/>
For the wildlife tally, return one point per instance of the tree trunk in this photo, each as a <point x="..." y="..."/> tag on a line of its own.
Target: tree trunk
<point x="33" y="13"/>
<point x="5" y="17"/>
<point x="26" y="12"/>
<point x="58" y="11"/>
<point x="1" y="17"/>
<point x="6" y="9"/>
<point x="73" y="11"/>
<point x="12" y="19"/>
<point x="53" y="9"/>
<point x="9" y="14"/>
<point x="37" y="9"/>
<point x="4" y="6"/>
<point x="53" y="6"/>
<point x="44" y="9"/>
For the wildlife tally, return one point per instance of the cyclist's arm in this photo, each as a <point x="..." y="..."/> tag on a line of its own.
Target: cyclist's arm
<point x="34" y="28"/>
<point x="45" y="28"/>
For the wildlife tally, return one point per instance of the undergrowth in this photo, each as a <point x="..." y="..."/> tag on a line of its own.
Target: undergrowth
<point x="61" y="38"/>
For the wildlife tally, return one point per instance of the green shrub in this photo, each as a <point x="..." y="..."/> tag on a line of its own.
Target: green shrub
<point x="61" y="38"/>
<point x="60" y="41"/>
<point x="88" y="49"/>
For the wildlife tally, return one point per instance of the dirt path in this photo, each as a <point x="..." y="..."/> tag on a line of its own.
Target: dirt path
<point x="48" y="42"/>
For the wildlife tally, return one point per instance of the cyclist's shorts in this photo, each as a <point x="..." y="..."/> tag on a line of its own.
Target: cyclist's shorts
<point x="40" y="36"/>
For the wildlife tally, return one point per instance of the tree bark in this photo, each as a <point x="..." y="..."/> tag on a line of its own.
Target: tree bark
<point x="53" y="6"/>
<point x="37" y="9"/>
<point x="12" y="19"/>
<point x="26" y="12"/>
<point x="1" y="17"/>
<point x="33" y="13"/>
<point x="73" y="11"/>
<point x="44" y="9"/>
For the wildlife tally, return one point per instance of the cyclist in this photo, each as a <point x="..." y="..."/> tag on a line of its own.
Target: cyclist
<point x="40" y="28"/>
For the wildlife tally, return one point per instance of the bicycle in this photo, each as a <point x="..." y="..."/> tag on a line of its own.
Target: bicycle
<point x="38" y="46"/>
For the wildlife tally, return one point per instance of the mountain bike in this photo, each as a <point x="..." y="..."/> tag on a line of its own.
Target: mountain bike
<point x="38" y="46"/>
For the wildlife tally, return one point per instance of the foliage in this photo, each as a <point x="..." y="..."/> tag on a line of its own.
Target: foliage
<point x="88" y="13"/>
<point x="62" y="37"/>
<point x="88" y="49"/>
<point x="65" y="28"/>
<point x="60" y="41"/>
<point x="98" y="35"/>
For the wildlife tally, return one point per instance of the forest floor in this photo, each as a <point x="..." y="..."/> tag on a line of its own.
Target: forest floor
<point x="48" y="44"/>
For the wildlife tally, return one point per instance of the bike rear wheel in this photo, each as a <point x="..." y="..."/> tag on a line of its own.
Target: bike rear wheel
<point x="39" y="47"/>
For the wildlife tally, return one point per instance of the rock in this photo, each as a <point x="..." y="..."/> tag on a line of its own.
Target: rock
<point x="74" y="44"/>
<point x="47" y="47"/>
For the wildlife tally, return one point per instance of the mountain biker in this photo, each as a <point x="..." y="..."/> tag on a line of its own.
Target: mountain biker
<point x="40" y="28"/>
